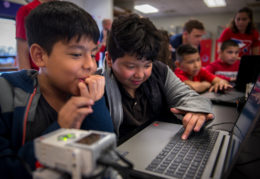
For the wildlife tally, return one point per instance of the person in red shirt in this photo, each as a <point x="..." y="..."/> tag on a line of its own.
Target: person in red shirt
<point x="23" y="57"/>
<point x="189" y="71"/>
<point x="226" y="67"/>
<point x="243" y="31"/>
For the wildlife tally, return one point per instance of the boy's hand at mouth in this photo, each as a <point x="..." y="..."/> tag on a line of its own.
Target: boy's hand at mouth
<point x="92" y="87"/>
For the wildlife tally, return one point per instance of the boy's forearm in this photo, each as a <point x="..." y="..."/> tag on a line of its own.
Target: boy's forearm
<point x="198" y="86"/>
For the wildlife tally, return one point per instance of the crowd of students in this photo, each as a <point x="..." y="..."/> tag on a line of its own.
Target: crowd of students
<point x="133" y="88"/>
<point x="240" y="38"/>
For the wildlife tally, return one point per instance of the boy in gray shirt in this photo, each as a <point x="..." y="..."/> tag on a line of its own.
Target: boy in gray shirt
<point x="139" y="88"/>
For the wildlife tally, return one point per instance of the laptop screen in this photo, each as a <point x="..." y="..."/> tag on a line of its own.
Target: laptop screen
<point x="244" y="125"/>
<point x="249" y="69"/>
<point x="250" y="111"/>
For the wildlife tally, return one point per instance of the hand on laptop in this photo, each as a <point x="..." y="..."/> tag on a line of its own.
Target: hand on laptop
<point x="220" y="85"/>
<point x="192" y="121"/>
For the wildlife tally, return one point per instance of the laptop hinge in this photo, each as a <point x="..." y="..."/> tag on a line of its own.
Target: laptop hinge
<point x="217" y="158"/>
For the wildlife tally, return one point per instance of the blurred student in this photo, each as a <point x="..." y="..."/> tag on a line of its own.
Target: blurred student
<point x="226" y="67"/>
<point x="139" y="88"/>
<point x="65" y="93"/>
<point x="193" y="31"/>
<point x="23" y="57"/>
<point x="106" y="27"/>
<point x="100" y="54"/>
<point x="165" y="54"/>
<point x="189" y="71"/>
<point x="242" y="30"/>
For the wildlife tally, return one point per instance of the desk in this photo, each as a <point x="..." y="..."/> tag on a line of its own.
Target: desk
<point x="225" y="117"/>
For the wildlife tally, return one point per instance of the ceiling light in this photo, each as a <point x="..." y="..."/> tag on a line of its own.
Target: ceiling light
<point x="146" y="8"/>
<point x="215" y="3"/>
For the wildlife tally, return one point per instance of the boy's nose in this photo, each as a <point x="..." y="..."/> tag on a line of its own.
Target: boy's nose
<point x="139" y="73"/>
<point x="89" y="64"/>
<point x="196" y="64"/>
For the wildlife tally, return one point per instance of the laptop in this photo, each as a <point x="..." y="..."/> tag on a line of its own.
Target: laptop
<point x="249" y="69"/>
<point x="151" y="150"/>
<point x="245" y="124"/>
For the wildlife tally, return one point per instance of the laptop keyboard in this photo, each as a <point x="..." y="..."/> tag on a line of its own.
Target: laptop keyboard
<point x="185" y="158"/>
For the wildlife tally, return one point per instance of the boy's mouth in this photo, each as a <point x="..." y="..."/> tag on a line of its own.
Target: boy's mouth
<point x="136" y="82"/>
<point x="82" y="79"/>
<point x="195" y="72"/>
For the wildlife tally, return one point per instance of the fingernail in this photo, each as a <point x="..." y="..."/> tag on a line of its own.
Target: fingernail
<point x="184" y="137"/>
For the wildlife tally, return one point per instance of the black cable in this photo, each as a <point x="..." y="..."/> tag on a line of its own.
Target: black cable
<point x="123" y="170"/>
<point x="130" y="165"/>
<point x="227" y="123"/>
<point x="21" y="160"/>
<point x="99" y="174"/>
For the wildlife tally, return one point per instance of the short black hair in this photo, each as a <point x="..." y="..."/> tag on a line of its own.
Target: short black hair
<point x="228" y="43"/>
<point x="185" y="49"/>
<point x="55" y="21"/>
<point x="134" y="36"/>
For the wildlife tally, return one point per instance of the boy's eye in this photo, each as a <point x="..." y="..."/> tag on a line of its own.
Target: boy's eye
<point x="93" y="56"/>
<point x="76" y="54"/>
<point x="130" y="66"/>
<point x="147" y="66"/>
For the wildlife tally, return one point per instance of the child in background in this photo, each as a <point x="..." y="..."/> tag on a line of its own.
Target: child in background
<point x="65" y="93"/>
<point x="226" y="67"/>
<point x="189" y="71"/>
<point x="165" y="54"/>
<point x="242" y="30"/>
<point x="139" y="88"/>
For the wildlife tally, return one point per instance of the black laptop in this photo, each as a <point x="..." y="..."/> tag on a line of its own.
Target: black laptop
<point x="249" y="69"/>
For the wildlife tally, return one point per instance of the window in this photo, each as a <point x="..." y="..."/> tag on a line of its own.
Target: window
<point x="7" y="43"/>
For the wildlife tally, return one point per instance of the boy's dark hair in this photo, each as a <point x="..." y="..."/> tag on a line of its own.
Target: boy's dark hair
<point x="185" y="49"/>
<point x="228" y="43"/>
<point x="249" y="27"/>
<point x="56" y="21"/>
<point x="134" y="36"/>
<point x="193" y="24"/>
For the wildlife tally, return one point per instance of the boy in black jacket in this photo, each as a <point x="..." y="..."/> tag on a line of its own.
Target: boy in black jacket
<point x="64" y="94"/>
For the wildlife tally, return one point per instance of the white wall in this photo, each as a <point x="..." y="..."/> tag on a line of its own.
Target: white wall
<point x="99" y="9"/>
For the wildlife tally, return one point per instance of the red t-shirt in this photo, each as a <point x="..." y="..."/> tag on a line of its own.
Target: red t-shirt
<point x="203" y="75"/>
<point x="20" y="23"/>
<point x="101" y="50"/>
<point x="224" y="70"/>
<point x="246" y="41"/>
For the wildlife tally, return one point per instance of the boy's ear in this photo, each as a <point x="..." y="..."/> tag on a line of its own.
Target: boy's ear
<point x="185" y="33"/>
<point x="109" y="59"/>
<point x="38" y="54"/>
<point x="177" y="63"/>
